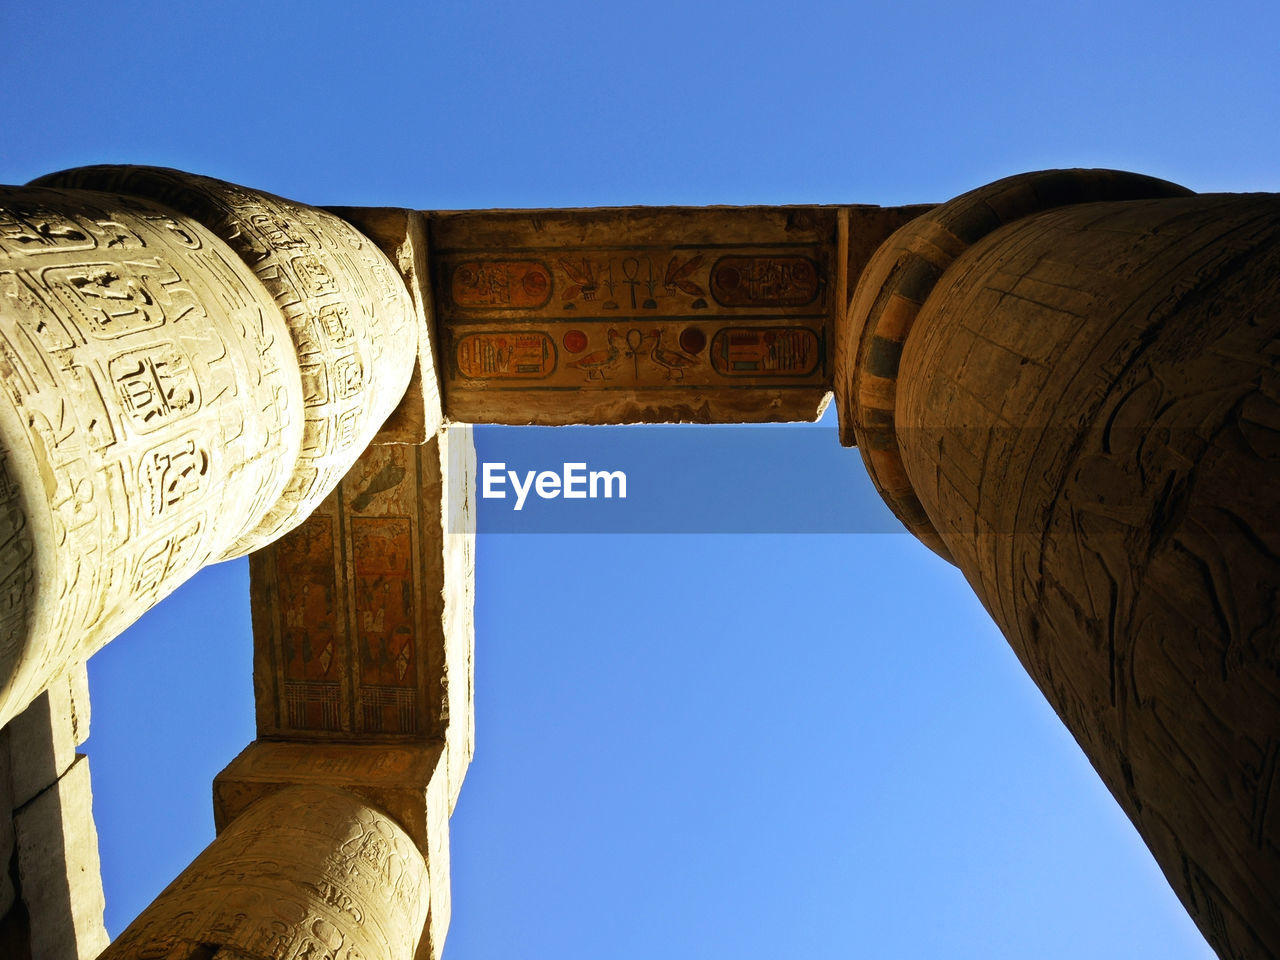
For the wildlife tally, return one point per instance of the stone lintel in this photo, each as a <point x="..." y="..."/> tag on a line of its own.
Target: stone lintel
<point x="363" y="626"/>
<point x="59" y="871"/>
<point x="409" y="783"/>
<point x="401" y="234"/>
<point x="636" y="315"/>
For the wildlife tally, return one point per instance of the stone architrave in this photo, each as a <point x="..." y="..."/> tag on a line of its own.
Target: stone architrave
<point x="643" y="315"/>
<point x="307" y="872"/>
<point x="1087" y="414"/>
<point x="363" y="623"/>
<point x="58" y="869"/>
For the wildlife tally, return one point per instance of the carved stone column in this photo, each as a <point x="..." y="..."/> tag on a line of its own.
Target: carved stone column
<point x="1086" y="418"/>
<point x="349" y="316"/>
<point x="307" y="872"/>
<point x="180" y="387"/>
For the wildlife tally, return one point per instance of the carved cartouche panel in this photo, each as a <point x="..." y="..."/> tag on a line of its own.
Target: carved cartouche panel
<point x="633" y="315"/>
<point x="363" y="614"/>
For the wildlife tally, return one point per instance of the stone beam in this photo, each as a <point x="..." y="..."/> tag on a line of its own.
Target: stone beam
<point x="362" y="616"/>
<point x="643" y="315"/>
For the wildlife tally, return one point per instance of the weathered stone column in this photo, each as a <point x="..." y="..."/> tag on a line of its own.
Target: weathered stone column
<point x="306" y="872"/>
<point x="1085" y="416"/>
<point x="181" y="386"/>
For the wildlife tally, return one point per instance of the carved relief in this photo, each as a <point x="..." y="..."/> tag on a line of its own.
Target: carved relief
<point x="549" y="318"/>
<point x="308" y="873"/>
<point x="1121" y="525"/>
<point x="778" y="281"/>
<point x="506" y="355"/>
<point x="349" y="316"/>
<point x="521" y="284"/>
<point x="350" y="637"/>
<point x="150" y="411"/>
<point x="765" y="351"/>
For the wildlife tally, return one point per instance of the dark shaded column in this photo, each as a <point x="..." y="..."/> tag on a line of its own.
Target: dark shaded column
<point x="1085" y="417"/>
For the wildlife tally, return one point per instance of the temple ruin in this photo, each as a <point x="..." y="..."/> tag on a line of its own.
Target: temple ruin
<point x="1066" y="383"/>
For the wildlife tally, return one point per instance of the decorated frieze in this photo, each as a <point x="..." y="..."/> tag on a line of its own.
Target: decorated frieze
<point x="636" y="315"/>
<point x="362" y="615"/>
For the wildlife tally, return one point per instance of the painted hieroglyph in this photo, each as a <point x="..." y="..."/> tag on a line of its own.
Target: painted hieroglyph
<point x="636" y="314"/>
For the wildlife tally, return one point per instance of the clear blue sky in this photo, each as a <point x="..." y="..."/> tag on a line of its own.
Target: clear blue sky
<point x="688" y="746"/>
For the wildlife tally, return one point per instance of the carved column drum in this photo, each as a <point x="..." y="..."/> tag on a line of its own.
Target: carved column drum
<point x="151" y="413"/>
<point x="349" y="315"/>
<point x="190" y="367"/>
<point x="308" y="873"/>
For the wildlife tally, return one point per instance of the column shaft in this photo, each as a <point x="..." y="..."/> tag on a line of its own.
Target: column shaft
<point x="1088" y="411"/>
<point x="151" y="409"/>
<point x="307" y="873"/>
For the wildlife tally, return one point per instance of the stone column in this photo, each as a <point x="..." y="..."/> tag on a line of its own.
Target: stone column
<point x="307" y="872"/>
<point x="1067" y="383"/>
<point x="189" y="368"/>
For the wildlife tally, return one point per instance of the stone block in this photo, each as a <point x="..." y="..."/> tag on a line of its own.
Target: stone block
<point x="636" y="315"/>
<point x="363" y="624"/>
<point x="42" y="740"/>
<point x="59" y="871"/>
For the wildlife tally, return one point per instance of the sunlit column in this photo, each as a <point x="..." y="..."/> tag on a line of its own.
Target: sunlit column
<point x="306" y="872"/>
<point x="180" y="387"/>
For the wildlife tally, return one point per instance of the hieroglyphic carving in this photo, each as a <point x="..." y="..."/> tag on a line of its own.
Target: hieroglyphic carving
<point x="350" y="317"/>
<point x="307" y="873"/>
<point x="410" y="782"/>
<point x="897" y="278"/>
<point x="1089" y="411"/>
<point x="614" y="315"/>
<point x="769" y="281"/>
<point x="401" y="234"/>
<point x="765" y="351"/>
<point x="150" y="414"/>
<point x="313" y="661"/>
<point x="500" y="283"/>
<point x="362" y="615"/>
<point x="506" y="355"/>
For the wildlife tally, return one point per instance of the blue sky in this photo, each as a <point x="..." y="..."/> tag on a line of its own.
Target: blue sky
<point x="699" y="745"/>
